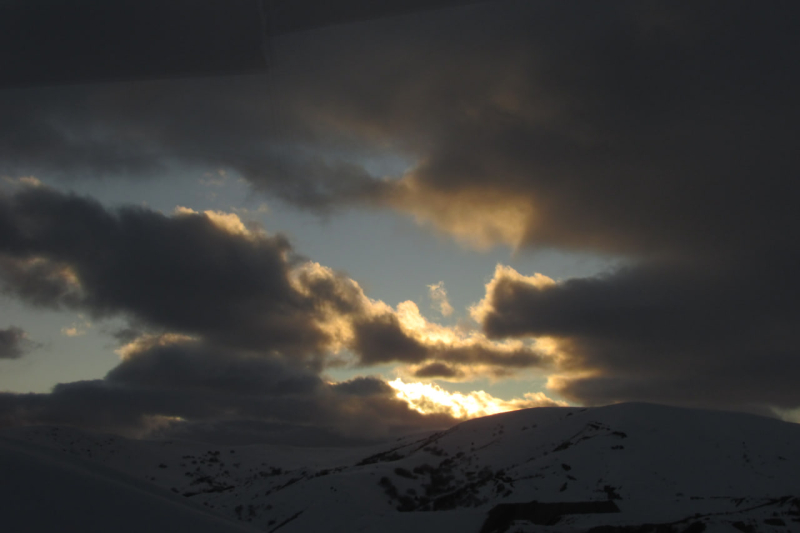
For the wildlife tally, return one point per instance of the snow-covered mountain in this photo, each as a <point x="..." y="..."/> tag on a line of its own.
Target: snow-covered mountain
<point x="621" y="468"/>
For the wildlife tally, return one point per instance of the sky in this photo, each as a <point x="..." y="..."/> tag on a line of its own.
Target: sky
<point x="410" y="220"/>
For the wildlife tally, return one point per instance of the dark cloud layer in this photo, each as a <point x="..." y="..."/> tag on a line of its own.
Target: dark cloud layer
<point x="642" y="126"/>
<point x="226" y="326"/>
<point x="13" y="343"/>
<point x="664" y="132"/>
<point x="645" y="127"/>
<point x="180" y="273"/>
<point x="206" y="276"/>
<point x="187" y="388"/>
<point x="677" y="333"/>
<point x="437" y="370"/>
<point x="381" y="340"/>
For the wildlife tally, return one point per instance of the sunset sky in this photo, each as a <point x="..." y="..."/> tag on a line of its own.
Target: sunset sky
<point x="404" y="220"/>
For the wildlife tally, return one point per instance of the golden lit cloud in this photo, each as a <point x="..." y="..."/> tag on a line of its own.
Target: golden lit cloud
<point x="432" y="334"/>
<point x="479" y="310"/>
<point x="147" y="342"/>
<point x="479" y="218"/>
<point x="229" y="222"/>
<point x="342" y="292"/>
<point x="461" y="353"/>
<point x="560" y="382"/>
<point x="429" y="398"/>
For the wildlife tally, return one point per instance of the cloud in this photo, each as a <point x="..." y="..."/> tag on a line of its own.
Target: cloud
<point x="439" y="296"/>
<point x="227" y="328"/>
<point x="659" y="132"/>
<point x="171" y="386"/>
<point x="438" y="370"/>
<point x="403" y="335"/>
<point x="225" y="126"/>
<point x="72" y="331"/>
<point x="591" y="142"/>
<point x="22" y="181"/>
<point x="430" y="398"/>
<point x="40" y="281"/>
<point x="378" y="333"/>
<point x="262" y="209"/>
<point x="14" y="343"/>
<point x="207" y="276"/>
<point x="30" y="181"/>
<point x="198" y="274"/>
<point x="77" y="329"/>
<point x="215" y="179"/>
<point x="677" y="333"/>
<point x="503" y="275"/>
<point x="478" y="217"/>
<point x="382" y="339"/>
<point x="589" y="129"/>
<point x="126" y="335"/>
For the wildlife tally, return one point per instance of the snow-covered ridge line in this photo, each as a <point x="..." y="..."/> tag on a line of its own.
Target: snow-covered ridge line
<point x="546" y="469"/>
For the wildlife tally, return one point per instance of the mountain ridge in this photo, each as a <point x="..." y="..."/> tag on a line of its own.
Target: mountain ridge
<point x="541" y="469"/>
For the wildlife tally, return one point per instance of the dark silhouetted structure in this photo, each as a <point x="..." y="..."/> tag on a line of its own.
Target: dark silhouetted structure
<point x="67" y="41"/>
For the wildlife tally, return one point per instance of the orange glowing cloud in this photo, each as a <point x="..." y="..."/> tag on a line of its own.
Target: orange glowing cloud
<point x="429" y="398"/>
<point x="147" y="342"/>
<point x="478" y="218"/>
<point x="501" y="272"/>
<point x="229" y="222"/>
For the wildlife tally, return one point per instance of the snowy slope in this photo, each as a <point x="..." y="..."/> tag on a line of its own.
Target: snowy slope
<point x="40" y="492"/>
<point x="619" y="466"/>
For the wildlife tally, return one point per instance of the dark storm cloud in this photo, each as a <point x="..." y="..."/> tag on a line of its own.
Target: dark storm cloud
<point x="636" y="127"/>
<point x="225" y="326"/>
<point x="364" y="386"/>
<point x="192" y="365"/>
<point x="437" y="370"/>
<point x="191" y="274"/>
<point x="38" y="281"/>
<point x="641" y="126"/>
<point x="152" y="129"/>
<point x="661" y="131"/>
<point x="182" y="273"/>
<point x="245" y="397"/>
<point x="382" y="340"/>
<point x="13" y="343"/>
<point x="126" y="335"/>
<point x="712" y="334"/>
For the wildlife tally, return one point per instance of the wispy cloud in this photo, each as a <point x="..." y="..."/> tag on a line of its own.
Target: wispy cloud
<point x="77" y="329"/>
<point x="439" y="296"/>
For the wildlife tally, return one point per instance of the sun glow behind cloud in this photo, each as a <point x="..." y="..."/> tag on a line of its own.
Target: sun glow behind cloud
<point x="429" y="398"/>
<point x="479" y="218"/>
